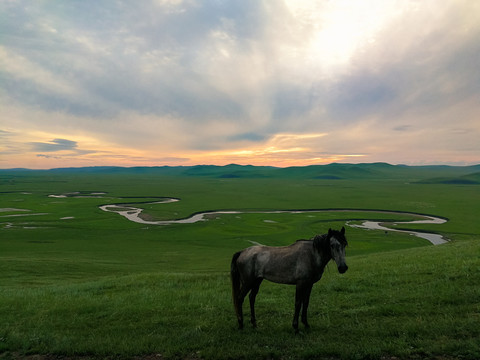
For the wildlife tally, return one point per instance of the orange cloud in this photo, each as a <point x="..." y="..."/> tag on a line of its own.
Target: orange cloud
<point x="280" y="150"/>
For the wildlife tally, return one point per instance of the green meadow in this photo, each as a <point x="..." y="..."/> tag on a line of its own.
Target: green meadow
<point x="77" y="282"/>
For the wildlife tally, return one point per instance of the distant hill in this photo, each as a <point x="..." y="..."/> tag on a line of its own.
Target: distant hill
<point x="469" y="179"/>
<point x="369" y="171"/>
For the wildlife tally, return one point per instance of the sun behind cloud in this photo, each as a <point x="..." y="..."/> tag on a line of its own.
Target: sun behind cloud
<point x="336" y="30"/>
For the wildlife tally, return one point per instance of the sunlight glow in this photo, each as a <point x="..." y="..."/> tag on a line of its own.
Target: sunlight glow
<point x="280" y="150"/>
<point x="338" y="29"/>
<point x="284" y="149"/>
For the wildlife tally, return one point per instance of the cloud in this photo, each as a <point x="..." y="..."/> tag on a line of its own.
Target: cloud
<point x="249" y="136"/>
<point x="402" y="127"/>
<point x="54" y="145"/>
<point x="165" y="78"/>
<point x="176" y="160"/>
<point x="361" y="94"/>
<point x="62" y="148"/>
<point x="48" y="156"/>
<point x="284" y="149"/>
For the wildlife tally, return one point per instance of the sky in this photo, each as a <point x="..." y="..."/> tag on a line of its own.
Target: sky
<point x="279" y="83"/>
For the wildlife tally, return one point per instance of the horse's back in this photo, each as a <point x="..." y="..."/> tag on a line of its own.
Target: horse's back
<point x="284" y="264"/>
<point x="265" y="253"/>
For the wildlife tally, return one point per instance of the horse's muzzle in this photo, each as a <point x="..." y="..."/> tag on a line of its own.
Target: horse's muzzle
<point x="342" y="268"/>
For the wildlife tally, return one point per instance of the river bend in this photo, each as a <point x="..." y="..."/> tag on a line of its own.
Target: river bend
<point x="133" y="214"/>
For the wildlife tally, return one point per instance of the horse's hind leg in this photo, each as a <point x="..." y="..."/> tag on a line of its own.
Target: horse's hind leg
<point x="239" y="306"/>
<point x="253" y="295"/>
<point x="244" y="289"/>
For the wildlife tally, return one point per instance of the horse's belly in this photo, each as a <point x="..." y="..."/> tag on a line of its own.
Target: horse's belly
<point x="291" y="272"/>
<point x="280" y="280"/>
<point x="283" y="273"/>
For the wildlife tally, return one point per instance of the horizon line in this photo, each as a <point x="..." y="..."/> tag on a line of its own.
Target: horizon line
<point x="232" y="164"/>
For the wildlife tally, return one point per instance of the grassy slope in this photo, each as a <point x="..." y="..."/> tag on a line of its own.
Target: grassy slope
<point x="420" y="302"/>
<point x="99" y="285"/>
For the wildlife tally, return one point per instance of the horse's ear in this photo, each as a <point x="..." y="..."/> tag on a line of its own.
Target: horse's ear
<point x="343" y="230"/>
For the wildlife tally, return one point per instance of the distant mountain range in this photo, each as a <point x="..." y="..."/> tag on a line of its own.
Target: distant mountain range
<point x="439" y="174"/>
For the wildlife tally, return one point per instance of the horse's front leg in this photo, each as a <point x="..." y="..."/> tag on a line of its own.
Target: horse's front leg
<point x="306" y="301"/>
<point x="298" y="306"/>
<point x="302" y="295"/>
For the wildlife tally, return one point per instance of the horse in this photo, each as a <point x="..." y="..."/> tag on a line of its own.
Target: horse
<point x="301" y="263"/>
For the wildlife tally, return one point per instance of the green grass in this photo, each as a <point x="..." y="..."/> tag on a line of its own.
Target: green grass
<point x="100" y="286"/>
<point x="410" y="303"/>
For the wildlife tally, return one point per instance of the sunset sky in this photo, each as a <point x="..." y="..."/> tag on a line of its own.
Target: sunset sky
<point x="185" y="82"/>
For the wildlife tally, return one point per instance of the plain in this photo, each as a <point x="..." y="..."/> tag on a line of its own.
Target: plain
<point x="79" y="282"/>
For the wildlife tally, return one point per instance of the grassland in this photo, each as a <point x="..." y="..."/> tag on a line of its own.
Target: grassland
<point x="77" y="282"/>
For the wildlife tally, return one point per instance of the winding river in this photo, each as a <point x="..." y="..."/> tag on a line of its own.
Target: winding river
<point x="133" y="214"/>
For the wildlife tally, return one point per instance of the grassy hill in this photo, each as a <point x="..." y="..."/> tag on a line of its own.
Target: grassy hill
<point x="405" y="304"/>
<point x="326" y="172"/>
<point x="469" y="179"/>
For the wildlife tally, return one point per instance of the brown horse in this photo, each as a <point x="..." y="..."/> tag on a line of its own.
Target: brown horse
<point x="301" y="264"/>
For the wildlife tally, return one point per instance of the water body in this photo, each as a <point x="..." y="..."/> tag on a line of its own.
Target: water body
<point x="79" y="194"/>
<point x="133" y="214"/>
<point x="12" y="209"/>
<point x="435" y="239"/>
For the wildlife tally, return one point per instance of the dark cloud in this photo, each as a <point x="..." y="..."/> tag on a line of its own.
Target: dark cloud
<point x="361" y="94"/>
<point x="402" y="128"/>
<point x="291" y="102"/>
<point x="58" y="145"/>
<point x="251" y="137"/>
<point x="48" y="156"/>
<point x="54" y="145"/>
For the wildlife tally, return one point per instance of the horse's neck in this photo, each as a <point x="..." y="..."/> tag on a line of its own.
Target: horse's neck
<point x="322" y="245"/>
<point x="325" y="257"/>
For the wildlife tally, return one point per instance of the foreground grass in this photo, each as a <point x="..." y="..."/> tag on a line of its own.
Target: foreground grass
<point x="421" y="302"/>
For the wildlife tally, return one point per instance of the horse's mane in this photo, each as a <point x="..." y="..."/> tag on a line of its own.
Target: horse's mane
<point x="321" y="242"/>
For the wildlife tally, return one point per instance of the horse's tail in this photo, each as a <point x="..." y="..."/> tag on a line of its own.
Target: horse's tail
<point x="235" y="277"/>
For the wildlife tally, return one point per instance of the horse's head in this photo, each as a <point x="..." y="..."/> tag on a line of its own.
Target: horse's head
<point x="338" y="242"/>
